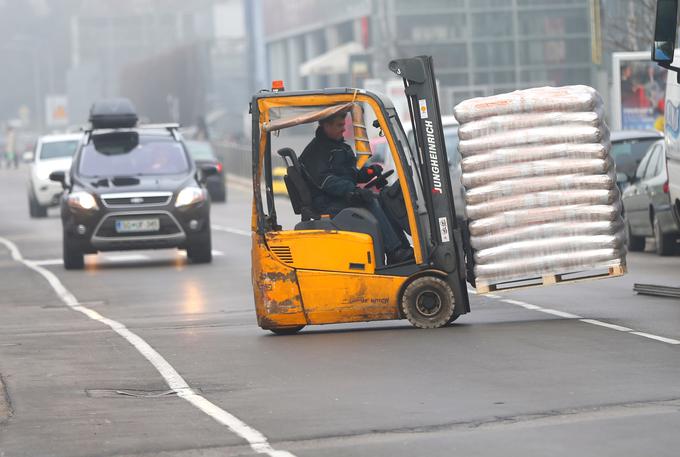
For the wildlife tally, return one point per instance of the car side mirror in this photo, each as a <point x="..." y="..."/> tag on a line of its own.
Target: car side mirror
<point x="59" y="176"/>
<point x="27" y="157"/>
<point x="665" y="27"/>
<point x="207" y="171"/>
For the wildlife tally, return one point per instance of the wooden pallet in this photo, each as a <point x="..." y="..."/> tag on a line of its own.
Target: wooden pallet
<point x="551" y="279"/>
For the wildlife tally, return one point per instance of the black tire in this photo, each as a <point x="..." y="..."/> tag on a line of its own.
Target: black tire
<point x="73" y="257"/>
<point x="665" y="243"/>
<point x="428" y="302"/>
<point x="200" y="249"/>
<point x="219" y="196"/>
<point x="635" y="243"/>
<point x="35" y="209"/>
<point x="286" y="330"/>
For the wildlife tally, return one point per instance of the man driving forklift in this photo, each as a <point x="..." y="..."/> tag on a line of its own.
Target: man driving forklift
<point x="330" y="164"/>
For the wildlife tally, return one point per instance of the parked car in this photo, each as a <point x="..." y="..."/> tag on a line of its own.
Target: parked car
<point x="203" y="154"/>
<point x="628" y="148"/>
<point x="133" y="187"/>
<point x="51" y="153"/>
<point x="647" y="204"/>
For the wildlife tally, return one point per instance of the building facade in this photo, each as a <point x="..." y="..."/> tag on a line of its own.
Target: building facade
<point x="480" y="47"/>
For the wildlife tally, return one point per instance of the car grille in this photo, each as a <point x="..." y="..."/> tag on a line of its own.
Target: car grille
<point x="168" y="226"/>
<point x="136" y="199"/>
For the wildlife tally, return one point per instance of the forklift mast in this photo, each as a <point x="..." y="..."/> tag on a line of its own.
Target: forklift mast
<point x="446" y="249"/>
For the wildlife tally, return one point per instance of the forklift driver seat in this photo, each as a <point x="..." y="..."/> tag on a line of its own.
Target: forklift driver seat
<point x="349" y="219"/>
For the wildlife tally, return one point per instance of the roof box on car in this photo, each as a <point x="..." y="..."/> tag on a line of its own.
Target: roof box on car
<point x="115" y="113"/>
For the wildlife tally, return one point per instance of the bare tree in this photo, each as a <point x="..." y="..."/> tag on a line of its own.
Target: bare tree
<point x="628" y="25"/>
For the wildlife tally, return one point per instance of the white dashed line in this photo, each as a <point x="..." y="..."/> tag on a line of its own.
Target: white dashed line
<point x="565" y="315"/>
<point x="230" y="230"/>
<point x="258" y="442"/>
<point x="607" y="324"/>
<point x="663" y="339"/>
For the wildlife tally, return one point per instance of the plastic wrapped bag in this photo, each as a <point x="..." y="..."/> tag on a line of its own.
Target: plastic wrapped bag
<point x="498" y="124"/>
<point x="556" y="99"/>
<point x="518" y="154"/>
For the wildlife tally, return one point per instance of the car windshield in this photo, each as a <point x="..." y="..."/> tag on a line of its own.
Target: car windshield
<point x="200" y="150"/>
<point x="151" y="155"/>
<point x="58" y="149"/>
<point x="627" y="154"/>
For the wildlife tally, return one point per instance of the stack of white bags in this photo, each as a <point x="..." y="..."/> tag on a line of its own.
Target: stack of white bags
<point x="540" y="184"/>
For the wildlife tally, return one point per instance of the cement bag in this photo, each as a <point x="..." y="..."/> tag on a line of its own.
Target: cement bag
<point x="498" y="124"/>
<point x="537" y="168"/>
<point x="539" y="135"/>
<point x="576" y="214"/>
<point x="497" y="190"/>
<point x="544" y="247"/>
<point x="547" y="230"/>
<point x="519" y="154"/>
<point x="567" y="98"/>
<point x="542" y="200"/>
<point x="537" y="266"/>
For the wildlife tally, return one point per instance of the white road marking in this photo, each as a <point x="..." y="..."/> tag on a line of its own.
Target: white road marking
<point x="48" y="262"/>
<point x="656" y="337"/>
<point x="607" y="324"/>
<point x="230" y="230"/>
<point x="555" y="312"/>
<point x="258" y="442"/>
<point x="565" y="315"/>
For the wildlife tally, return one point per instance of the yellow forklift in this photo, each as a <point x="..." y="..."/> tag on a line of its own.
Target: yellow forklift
<point x="329" y="270"/>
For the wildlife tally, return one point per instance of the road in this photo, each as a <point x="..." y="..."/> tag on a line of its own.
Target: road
<point x="588" y="369"/>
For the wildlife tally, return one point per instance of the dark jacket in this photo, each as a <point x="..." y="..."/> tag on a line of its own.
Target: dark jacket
<point x="331" y="166"/>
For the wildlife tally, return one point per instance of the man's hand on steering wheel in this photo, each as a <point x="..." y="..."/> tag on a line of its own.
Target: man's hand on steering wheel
<point x="380" y="181"/>
<point x="369" y="172"/>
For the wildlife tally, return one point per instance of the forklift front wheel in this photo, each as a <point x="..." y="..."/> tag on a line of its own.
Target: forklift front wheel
<point x="287" y="330"/>
<point x="428" y="302"/>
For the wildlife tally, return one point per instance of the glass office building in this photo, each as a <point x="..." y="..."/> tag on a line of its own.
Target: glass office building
<point x="480" y="47"/>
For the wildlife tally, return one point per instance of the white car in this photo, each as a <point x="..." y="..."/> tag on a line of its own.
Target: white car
<point x="52" y="153"/>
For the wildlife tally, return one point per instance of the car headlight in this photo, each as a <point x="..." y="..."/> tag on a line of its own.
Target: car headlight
<point x="82" y="200"/>
<point x="189" y="196"/>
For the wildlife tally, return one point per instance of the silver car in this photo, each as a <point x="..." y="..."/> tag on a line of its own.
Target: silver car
<point x="647" y="205"/>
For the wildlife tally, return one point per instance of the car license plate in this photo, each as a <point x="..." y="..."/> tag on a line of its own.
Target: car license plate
<point x="137" y="225"/>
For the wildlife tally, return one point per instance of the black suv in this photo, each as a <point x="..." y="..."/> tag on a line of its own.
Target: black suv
<point x="133" y="187"/>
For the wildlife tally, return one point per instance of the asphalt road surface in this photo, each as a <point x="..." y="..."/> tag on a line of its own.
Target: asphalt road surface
<point x="142" y="354"/>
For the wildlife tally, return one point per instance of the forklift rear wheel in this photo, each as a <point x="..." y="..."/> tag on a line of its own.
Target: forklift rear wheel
<point x="287" y="330"/>
<point x="428" y="302"/>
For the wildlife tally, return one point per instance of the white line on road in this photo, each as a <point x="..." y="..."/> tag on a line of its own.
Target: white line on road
<point x="565" y="315"/>
<point x="258" y="442"/>
<point x="230" y="230"/>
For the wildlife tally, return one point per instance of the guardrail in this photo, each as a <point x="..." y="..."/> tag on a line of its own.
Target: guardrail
<point x="236" y="158"/>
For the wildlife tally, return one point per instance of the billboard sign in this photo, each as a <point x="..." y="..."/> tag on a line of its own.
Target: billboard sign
<point x="56" y="110"/>
<point x="638" y="91"/>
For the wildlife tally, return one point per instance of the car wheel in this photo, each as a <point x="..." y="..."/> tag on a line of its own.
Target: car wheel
<point x="219" y="196"/>
<point x="73" y="257"/>
<point x="199" y="250"/>
<point x="35" y="209"/>
<point x="428" y="302"/>
<point x="287" y="330"/>
<point x="635" y="243"/>
<point x="665" y="243"/>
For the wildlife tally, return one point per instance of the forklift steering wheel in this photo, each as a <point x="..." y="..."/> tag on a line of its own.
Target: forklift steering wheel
<point x="377" y="179"/>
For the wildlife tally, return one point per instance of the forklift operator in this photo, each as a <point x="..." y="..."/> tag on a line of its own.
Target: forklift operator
<point x="331" y="165"/>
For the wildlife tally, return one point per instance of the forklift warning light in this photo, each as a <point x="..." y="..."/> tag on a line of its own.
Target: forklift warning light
<point x="277" y="85"/>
